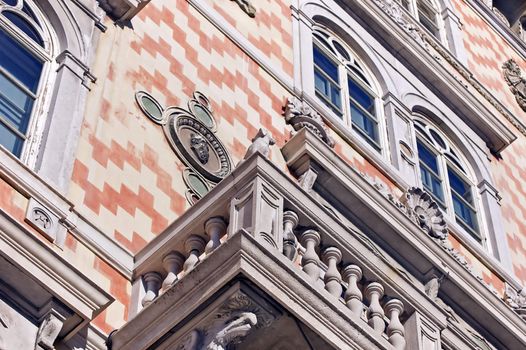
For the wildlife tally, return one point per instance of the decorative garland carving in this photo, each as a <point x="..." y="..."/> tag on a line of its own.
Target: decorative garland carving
<point x="247" y="7"/>
<point x="191" y="133"/>
<point x="393" y="10"/>
<point x="514" y="79"/>
<point x="300" y="115"/>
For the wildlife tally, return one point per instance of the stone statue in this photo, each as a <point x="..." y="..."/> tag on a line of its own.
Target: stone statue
<point x="514" y="79"/>
<point x="247" y="7"/>
<point x="199" y="145"/>
<point x="261" y="143"/>
<point x="233" y="331"/>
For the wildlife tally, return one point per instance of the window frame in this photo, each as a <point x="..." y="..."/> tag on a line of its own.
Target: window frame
<point x="45" y="54"/>
<point x="414" y="9"/>
<point x="346" y="74"/>
<point x="462" y="170"/>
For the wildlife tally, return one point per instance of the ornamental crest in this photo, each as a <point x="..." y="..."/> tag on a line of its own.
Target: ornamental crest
<point x="514" y="79"/>
<point x="191" y="133"/>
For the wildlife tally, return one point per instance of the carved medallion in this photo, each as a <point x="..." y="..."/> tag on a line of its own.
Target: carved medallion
<point x="425" y="212"/>
<point x="191" y="133"/>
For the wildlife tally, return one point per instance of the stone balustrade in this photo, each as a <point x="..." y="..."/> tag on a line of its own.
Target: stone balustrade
<point x="177" y="263"/>
<point x="258" y="209"/>
<point x="344" y="280"/>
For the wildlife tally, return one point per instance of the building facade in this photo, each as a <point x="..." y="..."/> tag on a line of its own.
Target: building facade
<point x="242" y="174"/>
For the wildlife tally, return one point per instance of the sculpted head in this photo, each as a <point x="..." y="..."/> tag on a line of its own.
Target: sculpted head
<point x="199" y="145"/>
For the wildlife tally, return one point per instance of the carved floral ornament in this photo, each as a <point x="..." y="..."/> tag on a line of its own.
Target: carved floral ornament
<point x="191" y="133"/>
<point x="516" y="300"/>
<point x="514" y="79"/>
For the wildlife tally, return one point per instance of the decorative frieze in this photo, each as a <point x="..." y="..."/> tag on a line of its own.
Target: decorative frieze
<point x="513" y="77"/>
<point x="300" y="115"/>
<point x="191" y="133"/>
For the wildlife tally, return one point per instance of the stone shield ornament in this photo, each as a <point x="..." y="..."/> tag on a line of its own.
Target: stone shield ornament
<point x="191" y="133"/>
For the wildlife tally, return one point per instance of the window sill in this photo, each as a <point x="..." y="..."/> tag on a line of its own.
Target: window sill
<point x="378" y="159"/>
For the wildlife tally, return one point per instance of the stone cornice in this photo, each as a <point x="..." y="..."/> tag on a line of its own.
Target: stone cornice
<point x="447" y="76"/>
<point x="356" y="197"/>
<point x="54" y="273"/>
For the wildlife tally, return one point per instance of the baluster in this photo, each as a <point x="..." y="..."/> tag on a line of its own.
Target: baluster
<point x="152" y="281"/>
<point x="310" y="239"/>
<point x="215" y="228"/>
<point x="194" y="246"/>
<point x="395" y="329"/>
<point x="332" y="256"/>
<point x="353" y="295"/>
<point x="290" y="221"/>
<point x="375" y="313"/>
<point x="172" y="263"/>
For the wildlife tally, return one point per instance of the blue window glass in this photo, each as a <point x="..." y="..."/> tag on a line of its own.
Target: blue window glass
<point x="462" y="201"/>
<point x="429" y="173"/>
<point x="363" y="111"/>
<point x="24" y="26"/>
<point x="19" y="77"/>
<point x="326" y="80"/>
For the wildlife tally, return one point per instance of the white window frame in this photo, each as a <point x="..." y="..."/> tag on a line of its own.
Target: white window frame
<point x="413" y="9"/>
<point x="37" y="120"/>
<point x="466" y="174"/>
<point x="373" y="89"/>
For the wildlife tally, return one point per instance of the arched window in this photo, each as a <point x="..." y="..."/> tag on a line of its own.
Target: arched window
<point x="343" y="84"/>
<point x="426" y="12"/>
<point x="447" y="177"/>
<point x="26" y="52"/>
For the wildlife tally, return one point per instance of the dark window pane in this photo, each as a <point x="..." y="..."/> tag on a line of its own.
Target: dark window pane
<point x="325" y="64"/>
<point x="361" y="96"/>
<point x="364" y="122"/>
<point x="10" y="2"/>
<point x="432" y="183"/>
<point x="19" y="62"/>
<point x="24" y="26"/>
<point x="15" y="105"/>
<point x="427" y="157"/>
<point x="438" y="139"/>
<point x="460" y="186"/>
<point x="10" y="140"/>
<point x="341" y="50"/>
<point x="27" y="10"/>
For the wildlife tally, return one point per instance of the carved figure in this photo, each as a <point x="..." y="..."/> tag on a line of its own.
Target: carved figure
<point x="425" y="212"/>
<point x="516" y="300"/>
<point x="300" y="115"/>
<point x="199" y="145"/>
<point x="261" y="143"/>
<point x="48" y="332"/>
<point x="514" y="79"/>
<point x="247" y="7"/>
<point x="233" y="331"/>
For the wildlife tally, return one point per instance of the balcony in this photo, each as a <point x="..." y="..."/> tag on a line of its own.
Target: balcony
<point x="261" y="262"/>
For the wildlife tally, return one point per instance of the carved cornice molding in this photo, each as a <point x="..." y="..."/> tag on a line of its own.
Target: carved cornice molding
<point x="427" y="41"/>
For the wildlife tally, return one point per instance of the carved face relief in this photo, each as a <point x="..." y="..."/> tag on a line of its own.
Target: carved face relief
<point x="200" y="147"/>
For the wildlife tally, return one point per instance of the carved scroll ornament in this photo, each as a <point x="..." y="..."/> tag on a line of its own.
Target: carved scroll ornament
<point x="514" y="79"/>
<point x="516" y="300"/>
<point x="300" y="116"/>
